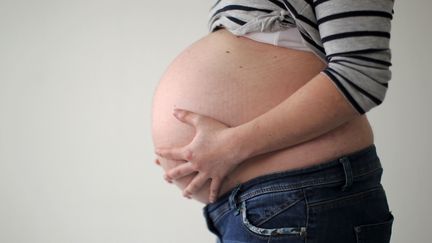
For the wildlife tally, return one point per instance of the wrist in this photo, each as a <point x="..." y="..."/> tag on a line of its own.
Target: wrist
<point x="240" y="144"/>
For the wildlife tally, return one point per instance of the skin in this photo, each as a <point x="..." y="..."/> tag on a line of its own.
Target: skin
<point x="217" y="149"/>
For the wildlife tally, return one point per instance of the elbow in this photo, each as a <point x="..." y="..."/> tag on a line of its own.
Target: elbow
<point x="363" y="84"/>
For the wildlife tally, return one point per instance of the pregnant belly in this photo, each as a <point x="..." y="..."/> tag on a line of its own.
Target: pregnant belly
<point x="234" y="80"/>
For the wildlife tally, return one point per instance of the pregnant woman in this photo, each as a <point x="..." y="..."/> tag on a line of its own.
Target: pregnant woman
<point x="264" y="120"/>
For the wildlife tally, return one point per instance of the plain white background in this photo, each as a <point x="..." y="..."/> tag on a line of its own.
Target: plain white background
<point x="76" y="156"/>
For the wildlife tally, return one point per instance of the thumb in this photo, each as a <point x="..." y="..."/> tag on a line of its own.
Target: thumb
<point x="170" y="153"/>
<point x="188" y="117"/>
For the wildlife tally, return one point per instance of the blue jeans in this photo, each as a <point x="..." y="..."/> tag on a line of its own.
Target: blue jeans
<point x="337" y="201"/>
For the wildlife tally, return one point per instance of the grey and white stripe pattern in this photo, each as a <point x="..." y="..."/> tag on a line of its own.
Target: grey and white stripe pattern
<point x="351" y="36"/>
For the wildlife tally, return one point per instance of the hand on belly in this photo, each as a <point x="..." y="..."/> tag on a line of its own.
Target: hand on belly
<point x="211" y="155"/>
<point x="233" y="80"/>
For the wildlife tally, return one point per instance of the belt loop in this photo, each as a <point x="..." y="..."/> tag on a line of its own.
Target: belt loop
<point x="232" y="200"/>
<point x="347" y="171"/>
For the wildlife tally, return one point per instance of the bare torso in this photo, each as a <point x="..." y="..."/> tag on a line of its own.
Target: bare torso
<point x="234" y="79"/>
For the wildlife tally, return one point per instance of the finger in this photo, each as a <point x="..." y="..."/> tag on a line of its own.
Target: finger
<point x="188" y="117"/>
<point x="180" y="171"/>
<point x="197" y="183"/>
<point x="171" y="153"/>
<point x="167" y="179"/>
<point x="215" y="186"/>
<point x="195" y="119"/>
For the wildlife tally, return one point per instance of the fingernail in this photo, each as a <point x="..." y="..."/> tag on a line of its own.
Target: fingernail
<point x="177" y="113"/>
<point x="167" y="179"/>
<point x="187" y="195"/>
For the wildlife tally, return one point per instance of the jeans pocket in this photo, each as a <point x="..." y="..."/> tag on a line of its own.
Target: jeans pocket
<point x="375" y="233"/>
<point x="275" y="214"/>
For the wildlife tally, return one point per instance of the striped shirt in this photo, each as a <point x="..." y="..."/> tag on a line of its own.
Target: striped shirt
<point x="351" y="36"/>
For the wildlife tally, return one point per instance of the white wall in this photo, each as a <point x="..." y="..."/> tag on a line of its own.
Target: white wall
<point x="402" y="125"/>
<point x="76" y="82"/>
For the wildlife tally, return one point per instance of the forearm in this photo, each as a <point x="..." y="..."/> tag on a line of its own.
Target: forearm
<point x="314" y="109"/>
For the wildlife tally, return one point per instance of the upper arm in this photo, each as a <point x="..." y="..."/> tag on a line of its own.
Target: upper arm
<point x="356" y="38"/>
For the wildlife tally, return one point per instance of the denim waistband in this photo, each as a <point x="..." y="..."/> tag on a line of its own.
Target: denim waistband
<point x="344" y="170"/>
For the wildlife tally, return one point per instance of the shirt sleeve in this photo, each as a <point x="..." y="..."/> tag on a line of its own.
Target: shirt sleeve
<point x="356" y="37"/>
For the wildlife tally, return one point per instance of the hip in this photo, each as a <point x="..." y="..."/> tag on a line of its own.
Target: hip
<point x="352" y="136"/>
<point x="338" y="201"/>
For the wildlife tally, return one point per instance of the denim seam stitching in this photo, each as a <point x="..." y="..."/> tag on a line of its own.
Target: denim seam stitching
<point x="313" y="182"/>
<point x="307" y="215"/>
<point x="279" y="212"/>
<point x="346" y="197"/>
<point x="263" y="237"/>
<point x="323" y="166"/>
<point x="219" y="216"/>
<point x="282" y="188"/>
